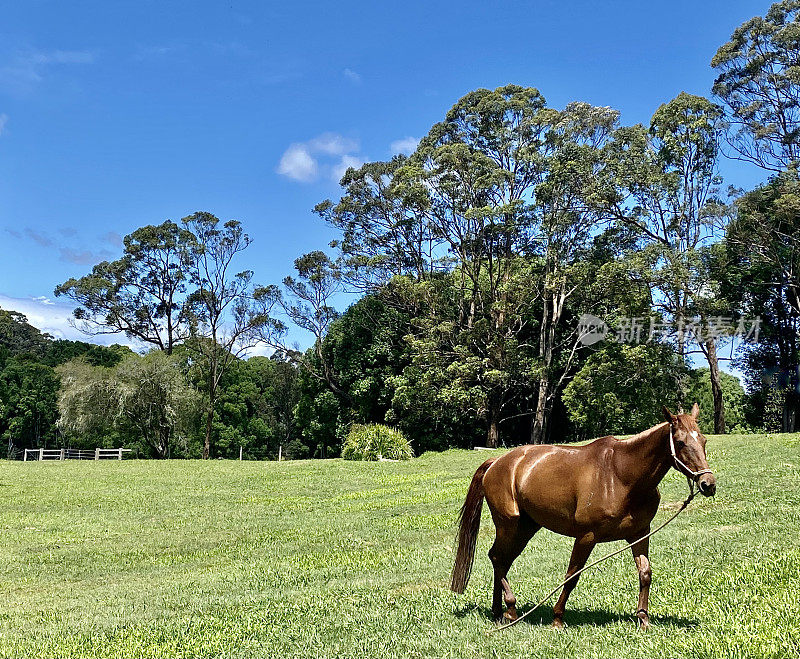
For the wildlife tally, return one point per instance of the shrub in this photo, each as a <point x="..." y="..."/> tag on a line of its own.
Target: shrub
<point x="375" y="441"/>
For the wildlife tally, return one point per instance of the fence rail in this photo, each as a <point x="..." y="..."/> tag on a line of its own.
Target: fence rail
<point x="73" y="454"/>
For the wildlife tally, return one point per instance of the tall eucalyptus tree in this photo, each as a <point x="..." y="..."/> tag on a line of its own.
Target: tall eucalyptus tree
<point x="667" y="184"/>
<point x="143" y="294"/>
<point x="758" y="84"/>
<point x="228" y="316"/>
<point x="477" y="235"/>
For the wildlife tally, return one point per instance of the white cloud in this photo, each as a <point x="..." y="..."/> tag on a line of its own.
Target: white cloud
<point x="62" y="57"/>
<point x="406" y="145"/>
<point x="26" y="69"/>
<point x="260" y="350"/>
<point x="329" y="154"/>
<point x="3" y="122"/>
<point x="55" y="318"/>
<point x="297" y="163"/>
<point x="332" y="144"/>
<point x="352" y="76"/>
<point x="144" y="53"/>
<point x="343" y="165"/>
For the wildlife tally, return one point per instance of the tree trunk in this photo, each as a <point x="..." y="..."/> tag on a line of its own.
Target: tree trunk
<point x="680" y="319"/>
<point x="539" y="422"/>
<point x="789" y="412"/>
<point x="551" y="315"/>
<point x="716" y="387"/>
<point x="493" y="434"/>
<point x="329" y="378"/>
<point x="207" y="442"/>
<point x="212" y="401"/>
<point x="161" y="445"/>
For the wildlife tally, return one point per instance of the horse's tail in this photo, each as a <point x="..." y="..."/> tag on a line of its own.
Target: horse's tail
<point x="468" y="527"/>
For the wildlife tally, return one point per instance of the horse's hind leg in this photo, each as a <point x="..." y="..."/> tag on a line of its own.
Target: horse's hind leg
<point x="641" y="552"/>
<point x="512" y="536"/>
<point x="580" y="554"/>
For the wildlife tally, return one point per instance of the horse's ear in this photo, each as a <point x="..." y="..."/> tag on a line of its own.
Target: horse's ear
<point x="695" y="411"/>
<point x="668" y="416"/>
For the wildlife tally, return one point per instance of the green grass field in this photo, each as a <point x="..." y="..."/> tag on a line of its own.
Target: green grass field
<point x="330" y="558"/>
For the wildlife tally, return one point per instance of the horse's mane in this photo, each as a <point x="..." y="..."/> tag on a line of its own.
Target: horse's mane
<point x="643" y="434"/>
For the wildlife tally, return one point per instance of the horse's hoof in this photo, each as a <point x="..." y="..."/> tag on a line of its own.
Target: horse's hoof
<point x="504" y="619"/>
<point x="644" y="622"/>
<point x="558" y="624"/>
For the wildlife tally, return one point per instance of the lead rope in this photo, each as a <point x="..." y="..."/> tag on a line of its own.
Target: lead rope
<point x="692" y="494"/>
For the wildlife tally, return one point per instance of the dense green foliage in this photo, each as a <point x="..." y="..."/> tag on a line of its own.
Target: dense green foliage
<point x="111" y="397"/>
<point x="736" y="403"/>
<point x="28" y="411"/>
<point x="375" y="442"/>
<point x="762" y="261"/>
<point x="341" y="559"/>
<point x="621" y="388"/>
<point x="257" y="402"/>
<point x="146" y="398"/>
<point x="29" y="385"/>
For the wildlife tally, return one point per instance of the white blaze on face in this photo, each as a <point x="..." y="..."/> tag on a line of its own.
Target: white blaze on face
<point x="693" y="434"/>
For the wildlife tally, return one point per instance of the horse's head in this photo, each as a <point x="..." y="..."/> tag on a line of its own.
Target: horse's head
<point x="688" y="447"/>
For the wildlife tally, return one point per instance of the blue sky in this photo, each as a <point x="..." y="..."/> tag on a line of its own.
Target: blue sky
<point x="115" y="115"/>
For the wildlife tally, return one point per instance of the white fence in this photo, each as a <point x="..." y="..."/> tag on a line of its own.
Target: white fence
<point x="73" y="454"/>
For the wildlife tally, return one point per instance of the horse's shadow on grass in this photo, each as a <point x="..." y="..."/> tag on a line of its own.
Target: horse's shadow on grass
<point x="578" y="617"/>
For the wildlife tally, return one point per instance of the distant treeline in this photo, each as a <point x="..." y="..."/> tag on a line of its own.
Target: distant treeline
<point x="110" y="396"/>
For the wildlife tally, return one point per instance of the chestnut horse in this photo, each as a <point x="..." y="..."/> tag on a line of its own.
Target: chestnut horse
<point x="603" y="491"/>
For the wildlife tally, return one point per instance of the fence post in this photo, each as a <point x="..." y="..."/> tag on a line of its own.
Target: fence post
<point x="97" y="454"/>
<point x="41" y="454"/>
<point x="25" y="456"/>
<point x="120" y="454"/>
<point x="280" y="450"/>
<point x="62" y="453"/>
<point x="240" y="452"/>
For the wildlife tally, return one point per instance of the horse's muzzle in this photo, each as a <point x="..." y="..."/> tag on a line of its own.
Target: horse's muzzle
<point x="707" y="485"/>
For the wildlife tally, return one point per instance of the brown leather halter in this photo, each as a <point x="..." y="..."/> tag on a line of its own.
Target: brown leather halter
<point x="693" y="475"/>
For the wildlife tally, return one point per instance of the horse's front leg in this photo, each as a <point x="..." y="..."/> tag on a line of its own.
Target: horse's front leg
<point x="580" y="554"/>
<point x="641" y="552"/>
